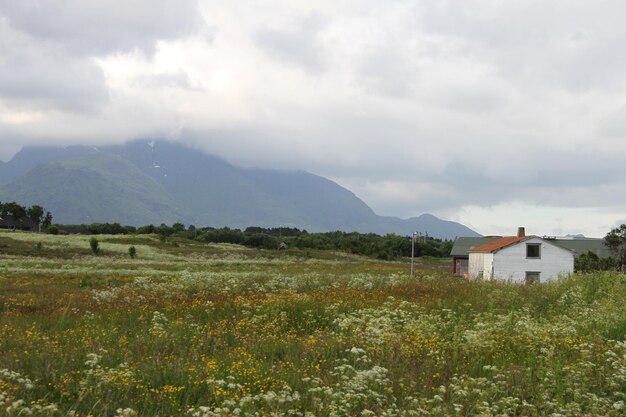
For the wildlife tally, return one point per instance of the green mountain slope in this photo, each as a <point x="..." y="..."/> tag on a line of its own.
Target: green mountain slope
<point x="97" y="187"/>
<point x="313" y="200"/>
<point x="145" y="182"/>
<point x="217" y="193"/>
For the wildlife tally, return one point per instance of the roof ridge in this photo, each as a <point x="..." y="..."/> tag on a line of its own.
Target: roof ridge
<point x="500" y="243"/>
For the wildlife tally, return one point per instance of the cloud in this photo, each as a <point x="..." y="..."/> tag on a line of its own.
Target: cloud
<point x="44" y="76"/>
<point x="561" y="44"/>
<point x="504" y="218"/>
<point x="97" y="28"/>
<point x="298" y="45"/>
<point x="49" y="49"/>
<point x="415" y="105"/>
<point x="175" y="80"/>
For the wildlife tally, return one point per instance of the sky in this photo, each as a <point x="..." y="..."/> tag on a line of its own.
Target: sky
<point x="493" y="113"/>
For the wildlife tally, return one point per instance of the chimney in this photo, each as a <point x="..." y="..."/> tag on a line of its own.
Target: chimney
<point x="521" y="232"/>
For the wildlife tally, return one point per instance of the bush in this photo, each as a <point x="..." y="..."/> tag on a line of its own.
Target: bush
<point x="132" y="252"/>
<point x="53" y="230"/>
<point x="93" y="243"/>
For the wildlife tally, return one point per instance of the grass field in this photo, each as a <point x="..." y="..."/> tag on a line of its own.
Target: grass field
<point x="189" y="329"/>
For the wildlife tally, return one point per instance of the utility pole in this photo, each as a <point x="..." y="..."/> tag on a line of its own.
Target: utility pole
<point x="413" y="252"/>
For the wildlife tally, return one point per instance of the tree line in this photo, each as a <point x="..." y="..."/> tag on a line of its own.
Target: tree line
<point x="386" y="247"/>
<point x="39" y="217"/>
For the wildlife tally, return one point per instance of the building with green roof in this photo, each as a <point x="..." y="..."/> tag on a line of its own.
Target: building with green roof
<point x="578" y="245"/>
<point x="460" y="251"/>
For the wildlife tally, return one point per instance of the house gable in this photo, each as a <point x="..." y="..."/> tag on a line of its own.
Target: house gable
<point x="512" y="262"/>
<point x="535" y="240"/>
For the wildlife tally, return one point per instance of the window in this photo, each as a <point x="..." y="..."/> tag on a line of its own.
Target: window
<point x="533" y="250"/>
<point x="532" y="276"/>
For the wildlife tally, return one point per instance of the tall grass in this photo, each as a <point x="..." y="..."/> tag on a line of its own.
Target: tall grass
<point x="236" y="332"/>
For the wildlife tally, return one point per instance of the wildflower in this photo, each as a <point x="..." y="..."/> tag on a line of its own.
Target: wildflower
<point x="159" y="322"/>
<point x="125" y="412"/>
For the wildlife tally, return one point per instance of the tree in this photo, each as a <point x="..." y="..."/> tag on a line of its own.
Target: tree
<point x="18" y="212"/>
<point x="145" y="230"/>
<point x="615" y="240"/>
<point x="589" y="262"/>
<point x="36" y="215"/>
<point x="47" y="220"/>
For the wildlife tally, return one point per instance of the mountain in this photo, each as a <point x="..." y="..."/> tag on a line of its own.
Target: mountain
<point x="215" y="192"/>
<point x="160" y="182"/>
<point x="576" y="237"/>
<point x="426" y="223"/>
<point x="95" y="187"/>
<point x="28" y="158"/>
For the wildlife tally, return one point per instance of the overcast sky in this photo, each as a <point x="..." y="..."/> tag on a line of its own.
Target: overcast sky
<point x="496" y="114"/>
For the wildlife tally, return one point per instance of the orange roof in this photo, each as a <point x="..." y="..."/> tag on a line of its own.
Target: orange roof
<point x="499" y="244"/>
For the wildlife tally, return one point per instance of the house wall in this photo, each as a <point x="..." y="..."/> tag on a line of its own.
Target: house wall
<point x="511" y="263"/>
<point x="488" y="265"/>
<point x="476" y="265"/>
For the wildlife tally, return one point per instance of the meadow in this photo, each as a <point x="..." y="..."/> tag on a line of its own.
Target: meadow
<point x="197" y="329"/>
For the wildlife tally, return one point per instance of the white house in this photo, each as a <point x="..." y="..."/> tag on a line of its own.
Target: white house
<point x="520" y="259"/>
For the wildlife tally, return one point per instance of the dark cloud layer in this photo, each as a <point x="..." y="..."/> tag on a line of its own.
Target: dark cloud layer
<point x="415" y="105"/>
<point x="48" y="48"/>
<point x="95" y="28"/>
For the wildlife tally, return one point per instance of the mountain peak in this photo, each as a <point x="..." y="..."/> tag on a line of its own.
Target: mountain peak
<point x="145" y="182"/>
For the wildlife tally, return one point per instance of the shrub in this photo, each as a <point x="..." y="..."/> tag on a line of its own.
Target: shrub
<point x="53" y="230"/>
<point x="93" y="243"/>
<point x="132" y="252"/>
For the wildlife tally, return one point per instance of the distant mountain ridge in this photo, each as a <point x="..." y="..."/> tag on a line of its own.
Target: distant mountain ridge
<point x="161" y="182"/>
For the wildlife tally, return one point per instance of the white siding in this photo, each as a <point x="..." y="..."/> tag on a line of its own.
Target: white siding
<point x="511" y="263"/>
<point x="488" y="266"/>
<point x="476" y="265"/>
